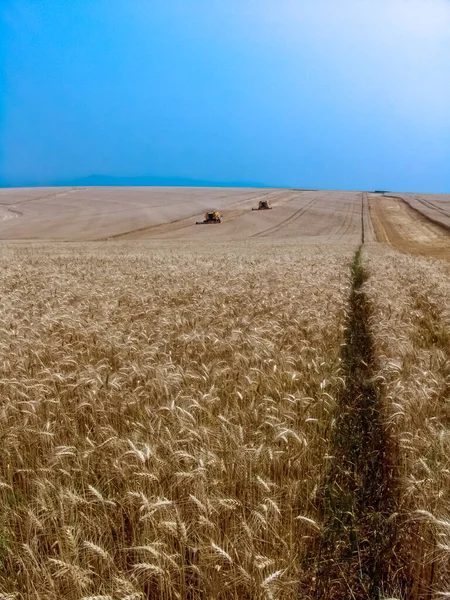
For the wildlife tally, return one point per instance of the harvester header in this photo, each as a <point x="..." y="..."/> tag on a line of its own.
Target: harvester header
<point x="211" y="216"/>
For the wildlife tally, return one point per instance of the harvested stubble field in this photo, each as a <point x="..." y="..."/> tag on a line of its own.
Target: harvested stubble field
<point x="78" y="214"/>
<point x="253" y="410"/>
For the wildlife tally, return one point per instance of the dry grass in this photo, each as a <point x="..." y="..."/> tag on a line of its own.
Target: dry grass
<point x="165" y="417"/>
<point x="411" y="326"/>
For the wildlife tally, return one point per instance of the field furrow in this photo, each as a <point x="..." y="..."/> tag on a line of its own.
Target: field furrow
<point x="358" y="548"/>
<point x="288" y="221"/>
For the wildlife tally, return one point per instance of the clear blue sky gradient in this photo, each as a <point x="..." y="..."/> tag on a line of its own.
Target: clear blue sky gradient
<point x="352" y="94"/>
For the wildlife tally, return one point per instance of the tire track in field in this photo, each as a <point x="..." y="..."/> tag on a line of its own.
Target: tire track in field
<point x="346" y="222"/>
<point x="439" y="224"/>
<point x="234" y="210"/>
<point x="407" y="229"/>
<point x="367" y="224"/>
<point x="7" y="213"/>
<point x="46" y="197"/>
<point x="431" y="205"/>
<point x="347" y="225"/>
<point x="291" y="219"/>
<point x="360" y="552"/>
<point x="176" y="225"/>
<point x="339" y="230"/>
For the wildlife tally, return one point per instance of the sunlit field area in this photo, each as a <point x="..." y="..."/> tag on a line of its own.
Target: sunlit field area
<point x="256" y="409"/>
<point x="411" y="328"/>
<point x="165" y="417"/>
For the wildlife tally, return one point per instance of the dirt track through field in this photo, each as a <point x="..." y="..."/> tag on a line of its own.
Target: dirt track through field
<point x="408" y="229"/>
<point x="358" y="549"/>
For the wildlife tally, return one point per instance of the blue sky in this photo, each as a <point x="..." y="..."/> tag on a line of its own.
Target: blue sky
<point x="345" y="94"/>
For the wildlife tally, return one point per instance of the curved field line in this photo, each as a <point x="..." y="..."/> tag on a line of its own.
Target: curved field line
<point x="256" y="198"/>
<point x="346" y="223"/>
<point x="347" y="220"/>
<point x="341" y="223"/>
<point x="409" y="231"/>
<point x="10" y="214"/>
<point x="430" y="204"/>
<point x="188" y="221"/>
<point x="47" y="197"/>
<point x="291" y="219"/>
<point x="380" y="232"/>
<point x="367" y="220"/>
<point x="439" y="224"/>
<point x="359" y="542"/>
<point x="357" y="211"/>
<point x="161" y="227"/>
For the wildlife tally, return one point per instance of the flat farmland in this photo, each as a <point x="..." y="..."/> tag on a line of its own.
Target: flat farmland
<point x="434" y="206"/>
<point x="411" y="225"/>
<point x="256" y="409"/>
<point x="76" y="214"/>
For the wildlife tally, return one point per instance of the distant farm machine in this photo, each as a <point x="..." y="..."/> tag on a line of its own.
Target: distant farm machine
<point x="263" y="205"/>
<point x="211" y="216"/>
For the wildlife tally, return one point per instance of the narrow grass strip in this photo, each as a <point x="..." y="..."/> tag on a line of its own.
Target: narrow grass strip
<point x="358" y="551"/>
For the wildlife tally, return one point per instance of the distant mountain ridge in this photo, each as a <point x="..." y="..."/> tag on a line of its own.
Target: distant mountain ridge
<point x="150" y="180"/>
<point x="140" y="180"/>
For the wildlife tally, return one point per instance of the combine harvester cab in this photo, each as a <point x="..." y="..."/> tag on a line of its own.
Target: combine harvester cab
<point x="263" y="205"/>
<point x="211" y="216"/>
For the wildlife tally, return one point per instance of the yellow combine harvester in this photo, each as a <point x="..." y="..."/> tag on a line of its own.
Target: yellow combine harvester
<point x="211" y="216"/>
<point x="263" y="205"/>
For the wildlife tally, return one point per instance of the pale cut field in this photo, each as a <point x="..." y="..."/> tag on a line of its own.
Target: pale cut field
<point x="165" y="417"/>
<point x="170" y="213"/>
<point x="91" y="213"/>
<point x="408" y="229"/>
<point x="433" y="206"/>
<point x="410" y="300"/>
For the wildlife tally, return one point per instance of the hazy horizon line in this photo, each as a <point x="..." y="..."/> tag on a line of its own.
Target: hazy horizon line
<point x="97" y="180"/>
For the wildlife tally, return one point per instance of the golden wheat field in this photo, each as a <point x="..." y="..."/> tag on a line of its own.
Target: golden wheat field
<point x="258" y="409"/>
<point x="167" y="416"/>
<point x="411" y="327"/>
